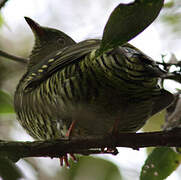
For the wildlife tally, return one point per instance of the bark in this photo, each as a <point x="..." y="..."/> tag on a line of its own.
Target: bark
<point x="89" y="145"/>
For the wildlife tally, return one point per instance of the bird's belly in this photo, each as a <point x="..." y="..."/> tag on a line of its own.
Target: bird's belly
<point x="96" y="116"/>
<point x="99" y="117"/>
<point x="95" y="110"/>
<point x="135" y="116"/>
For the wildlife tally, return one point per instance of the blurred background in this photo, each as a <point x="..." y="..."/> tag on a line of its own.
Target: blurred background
<point x="81" y="19"/>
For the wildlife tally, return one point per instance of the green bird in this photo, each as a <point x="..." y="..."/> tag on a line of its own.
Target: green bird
<point x="70" y="91"/>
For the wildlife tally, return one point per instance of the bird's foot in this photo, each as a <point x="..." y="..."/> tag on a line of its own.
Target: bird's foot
<point x="113" y="131"/>
<point x="64" y="160"/>
<point x="109" y="150"/>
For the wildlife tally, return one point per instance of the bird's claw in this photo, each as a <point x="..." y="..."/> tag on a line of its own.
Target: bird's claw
<point x="109" y="150"/>
<point x="64" y="160"/>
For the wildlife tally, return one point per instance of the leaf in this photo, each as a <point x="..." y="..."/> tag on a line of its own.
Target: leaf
<point x="5" y="103"/>
<point x="1" y="20"/>
<point x="8" y="170"/>
<point x="169" y="4"/>
<point x="127" y="21"/>
<point x="160" y="164"/>
<point x="89" y="167"/>
<point x="155" y="123"/>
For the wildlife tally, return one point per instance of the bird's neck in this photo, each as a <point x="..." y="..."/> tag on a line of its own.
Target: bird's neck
<point x="39" y="53"/>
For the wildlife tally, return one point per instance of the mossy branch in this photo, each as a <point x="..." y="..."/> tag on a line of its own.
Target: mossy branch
<point x="56" y="148"/>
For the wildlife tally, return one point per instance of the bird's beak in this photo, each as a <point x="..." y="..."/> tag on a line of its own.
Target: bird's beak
<point x="35" y="27"/>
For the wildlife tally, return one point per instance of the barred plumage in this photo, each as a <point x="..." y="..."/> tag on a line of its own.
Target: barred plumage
<point x="93" y="87"/>
<point x="120" y="85"/>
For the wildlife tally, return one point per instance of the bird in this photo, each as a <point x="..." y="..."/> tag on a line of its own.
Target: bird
<point x="47" y="41"/>
<point x="70" y="91"/>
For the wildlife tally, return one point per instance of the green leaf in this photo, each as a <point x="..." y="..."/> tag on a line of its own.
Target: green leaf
<point x="160" y="164"/>
<point x="8" y="170"/>
<point x="169" y="4"/>
<point x="5" y="103"/>
<point x="1" y="20"/>
<point x="128" y="20"/>
<point x="89" y="167"/>
<point x="155" y="123"/>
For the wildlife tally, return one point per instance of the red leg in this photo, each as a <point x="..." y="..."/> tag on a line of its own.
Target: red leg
<point x="64" y="159"/>
<point x="73" y="157"/>
<point x="70" y="129"/>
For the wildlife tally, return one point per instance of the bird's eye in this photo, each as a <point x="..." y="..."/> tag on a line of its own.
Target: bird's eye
<point x="61" y="41"/>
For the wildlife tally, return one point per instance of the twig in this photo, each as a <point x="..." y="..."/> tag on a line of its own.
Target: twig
<point x="169" y="64"/>
<point x="176" y="76"/>
<point x="14" y="58"/>
<point x="57" y="148"/>
<point x="2" y="3"/>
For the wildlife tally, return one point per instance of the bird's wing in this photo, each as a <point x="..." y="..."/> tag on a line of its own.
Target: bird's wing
<point x="165" y="98"/>
<point x="64" y="57"/>
<point x="151" y="67"/>
<point x="162" y="101"/>
<point x="74" y="54"/>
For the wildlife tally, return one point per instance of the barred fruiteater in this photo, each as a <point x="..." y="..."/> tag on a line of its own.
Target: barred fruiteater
<point x="73" y="92"/>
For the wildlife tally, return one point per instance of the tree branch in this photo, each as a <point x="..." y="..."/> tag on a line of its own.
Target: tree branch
<point x="57" y="148"/>
<point x="2" y="3"/>
<point x="176" y="76"/>
<point x="14" y="58"/>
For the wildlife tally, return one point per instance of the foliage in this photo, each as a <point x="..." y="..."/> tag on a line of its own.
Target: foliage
<point x="1" y="20"/>
<point x="160" y="164"/>
<point x="171" y="16"/>
<point x="92" y="168"/>
<point x="5" y="103"/>
<point x="127" y="21"/>
<point x="8" y="170"/>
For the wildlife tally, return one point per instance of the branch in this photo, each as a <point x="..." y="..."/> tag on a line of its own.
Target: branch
<point x="12" y="57"/>
<point x="169" y="64"/>
<point x="176" y="76"/>
<point x="57" y="148"/>
<point x="2" y="3"/>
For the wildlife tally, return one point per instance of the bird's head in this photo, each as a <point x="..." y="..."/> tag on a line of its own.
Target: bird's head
<point x="47" y="41"/>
